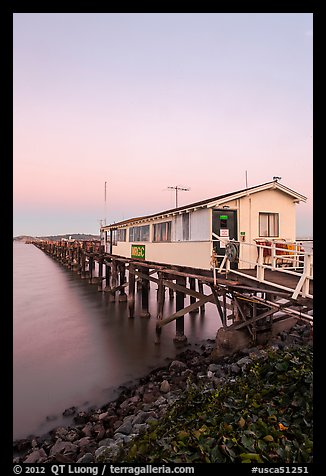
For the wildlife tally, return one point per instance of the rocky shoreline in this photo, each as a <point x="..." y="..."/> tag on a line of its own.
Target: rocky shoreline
<point x="98" y="434"/>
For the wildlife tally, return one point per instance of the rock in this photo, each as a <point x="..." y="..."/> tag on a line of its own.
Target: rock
<point x="135" y="399"/>
<point x="125" y="428"/>
<point x="37" y="456"/>
<point x="195" y="361"/>
<point x="160" y="401"/>
<point x="149" y="397"/>
<point x="140" y="427"/>
<point x="210" y="374"/>
<point x="102" y="416"/>
<point x="177" y="365"/>
<point x="283" y="326"/>
<point x="63" y="447"/>
<point x="88" y="429"/>
<point x="99" y="431"/>
<point x="22" y="445"/>
<point x="122" y="438"/>
<point x="214" y="367"/>
<point x="69" y="411"/>
<point x="165" y="386"/>
<point x="187" y="373"/>
<point x="244" y="361"/>
<point x="85" y="441"/>
<point x="142" y="417"/>
<point x="87" y="458"/>
<point x="72" y="435"/>
<point x="60" y="458"/>
<point x="107" y="453"/>
<point x="61" y="432"/>
<point x="235" y="369"/>
<point x="229" y="341"/>
<point x="106" y="442"/>
<point x="81" y="418"/>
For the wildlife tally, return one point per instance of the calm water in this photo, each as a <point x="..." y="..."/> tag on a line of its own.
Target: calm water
<point x="74" y="348"/>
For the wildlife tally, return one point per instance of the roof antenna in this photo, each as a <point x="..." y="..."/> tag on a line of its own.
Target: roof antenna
<point x="246" y="179"/>
<point x="176" y="188"/>
<point x="275" y="178"/>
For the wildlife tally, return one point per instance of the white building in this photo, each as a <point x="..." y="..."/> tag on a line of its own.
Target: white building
<point x="187" y="235"/>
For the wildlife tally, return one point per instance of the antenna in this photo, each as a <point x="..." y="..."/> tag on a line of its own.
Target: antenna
<point x="105" y="209"/>
<point x="246" y="178"/>
<point x="177" y="188"/>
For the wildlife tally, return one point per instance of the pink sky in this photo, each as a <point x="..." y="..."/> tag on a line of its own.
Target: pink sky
<point x="146" y="101"/>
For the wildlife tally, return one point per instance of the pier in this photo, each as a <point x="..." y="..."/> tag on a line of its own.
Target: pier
<point x="249" y="303"/>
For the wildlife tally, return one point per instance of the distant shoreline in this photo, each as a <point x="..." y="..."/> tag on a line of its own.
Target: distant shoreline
<point x="73" y="236"/>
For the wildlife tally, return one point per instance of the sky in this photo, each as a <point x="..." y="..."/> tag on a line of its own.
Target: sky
<point x="111" y="109"/>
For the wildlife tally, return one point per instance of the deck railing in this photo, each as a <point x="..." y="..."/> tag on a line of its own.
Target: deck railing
<point x="276" y="255"/>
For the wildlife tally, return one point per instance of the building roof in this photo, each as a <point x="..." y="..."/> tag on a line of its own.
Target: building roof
<point x="211" y="202"/>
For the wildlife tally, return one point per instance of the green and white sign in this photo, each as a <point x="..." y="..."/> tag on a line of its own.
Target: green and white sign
<point x="138" y="251"/>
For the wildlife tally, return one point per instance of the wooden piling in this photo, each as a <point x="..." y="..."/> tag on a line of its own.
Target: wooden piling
<point x="192" y="285"/>
<point x="107" y="276"/>
<point x="100" y="274"/>
<point x="131" y="290"/>
<point x="83" y="261"/>
<point x="160" y="296"/>
<point x="90" y="265"/>
<point x="179" y="323"/>
<point x="114" y="279"/>
<point x="139" y="284"/>
<point x="122" y="280"/>
<point x="201" y="290"/>
<point x="144" y="294"/>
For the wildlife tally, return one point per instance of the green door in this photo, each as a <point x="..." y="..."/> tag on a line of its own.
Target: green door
<point x="225" y="226"/>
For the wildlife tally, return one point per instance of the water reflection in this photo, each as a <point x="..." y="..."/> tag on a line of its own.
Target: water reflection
<point x="73" y="347"/>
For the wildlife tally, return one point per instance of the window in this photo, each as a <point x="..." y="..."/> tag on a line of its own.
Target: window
<point x="139" y="233"/>
<point x="268" y="224"/>
<point x="121" y="234"/>
<point x="185" y="227"/>
<point x="114" y="236"/>
<point x="162" y="231"/>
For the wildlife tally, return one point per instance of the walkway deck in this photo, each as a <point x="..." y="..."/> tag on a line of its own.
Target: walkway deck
<point x="276" y="277"/>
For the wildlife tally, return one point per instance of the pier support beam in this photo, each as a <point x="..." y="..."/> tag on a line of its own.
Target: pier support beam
<point x="139" y="284"/>
<point x="160" y="305"/>
<point x="192" y="285"/>
<point x="201" y="290"/>
<point x="107" y="276"/>
<point x="160" y="296"/>
<point x="144" y="294"/>
<point x="90" y="266"/>
<point x="122" y="274"/>
<point x="131" y="290"/>
<point x="100" y="274"/>
<point x="114" y="279"/>
<point x="83" y="261"/>
<point x="179" y="323"/>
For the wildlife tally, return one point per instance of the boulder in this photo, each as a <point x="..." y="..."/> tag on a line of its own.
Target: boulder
<point x="165" y="386"/>
<point x="63" y="447"/>
<point x="229" y="341"/>
<point x="37" y="456"/>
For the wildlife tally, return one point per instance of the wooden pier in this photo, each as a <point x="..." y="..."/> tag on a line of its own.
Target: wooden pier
<point x="244" y="306"/>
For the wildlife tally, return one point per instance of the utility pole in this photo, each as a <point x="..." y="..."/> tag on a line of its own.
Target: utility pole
<point x="176" y="188"/>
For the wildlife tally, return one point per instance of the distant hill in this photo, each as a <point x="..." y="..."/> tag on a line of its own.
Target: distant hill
<point x="73" y="236"/>
<point x="23" y="238"/>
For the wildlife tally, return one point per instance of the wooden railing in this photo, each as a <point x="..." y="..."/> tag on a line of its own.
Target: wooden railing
<point x="278" y="256"/>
